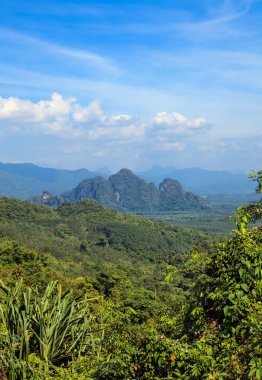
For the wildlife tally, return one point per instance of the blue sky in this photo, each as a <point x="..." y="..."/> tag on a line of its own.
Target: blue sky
<point x="131" y="83"/>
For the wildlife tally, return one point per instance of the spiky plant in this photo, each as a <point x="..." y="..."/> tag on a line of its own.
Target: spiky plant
<point x="49" y="329"/>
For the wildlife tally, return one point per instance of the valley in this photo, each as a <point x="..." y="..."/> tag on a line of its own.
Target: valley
<point x="130" y="190"/>
<point x="215" y="219"/>
<point x="137" y="281"/>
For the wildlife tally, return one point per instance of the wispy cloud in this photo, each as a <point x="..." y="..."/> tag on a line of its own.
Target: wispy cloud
<point x="158" y="20"/>
<point x="86" y="57"/>
<point x="228" y="10"/>
<point x="239" y="152"/>
<point x="218" y="23"/>
<point x="219" y="68"/>
<point x="90" y="58"/>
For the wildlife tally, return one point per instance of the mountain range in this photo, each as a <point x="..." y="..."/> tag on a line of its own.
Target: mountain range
<point x="201" y="181"/>
<point x="25" y="180"/>
<point x="127" y="192"/>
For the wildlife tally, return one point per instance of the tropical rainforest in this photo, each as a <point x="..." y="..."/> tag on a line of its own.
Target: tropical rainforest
<point x="87" y="292"/>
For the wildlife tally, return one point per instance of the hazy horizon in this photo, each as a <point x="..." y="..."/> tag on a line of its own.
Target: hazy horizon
<point x="107" y="170"/>
<point x="133" y="84"/>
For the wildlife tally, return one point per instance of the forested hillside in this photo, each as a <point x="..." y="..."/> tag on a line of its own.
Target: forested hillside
<point x="89" y="293"/>
<point x="125" y="191"/>
<point x="86" y="230"/>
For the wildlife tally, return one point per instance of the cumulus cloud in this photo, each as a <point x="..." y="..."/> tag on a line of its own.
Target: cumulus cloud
<point x="44" y="117"/>
<point x="66" y="118"/>
<point x="176" y="124"/>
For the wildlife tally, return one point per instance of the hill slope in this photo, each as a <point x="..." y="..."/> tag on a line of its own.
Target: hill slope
<point x="87" y="230"/>
<point x="155" y="305"/>
<point x="126" y="191"/>
<point x="24" y="180"/>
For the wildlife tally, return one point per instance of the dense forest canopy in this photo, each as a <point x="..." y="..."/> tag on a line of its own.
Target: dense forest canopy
<point x="90" y="293"/>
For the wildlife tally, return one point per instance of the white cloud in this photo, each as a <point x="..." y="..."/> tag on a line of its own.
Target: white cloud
<point x="91" y="134"/>
<point x="44" y="117"/>
<point x="65" y="118"/>
<point x="92" y="113"/>
<point x="175" y="123"/>
<point x="168" y="129"/>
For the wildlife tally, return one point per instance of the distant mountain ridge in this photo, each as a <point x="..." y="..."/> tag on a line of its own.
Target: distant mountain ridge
<point x="25" y="180"/>
<point x="127" y="192"/>
<point x="202" y="181"/>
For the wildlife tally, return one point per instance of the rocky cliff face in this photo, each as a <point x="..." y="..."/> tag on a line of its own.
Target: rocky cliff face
<point x="174" y="197"/>
<point x="126" y="191"/>
<point x="96" y="188"/>
<point x="47" y="199"/>
<point x="133" y="193"/>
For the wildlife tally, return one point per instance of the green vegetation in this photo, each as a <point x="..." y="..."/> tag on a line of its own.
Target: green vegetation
<point x="26" y="180"/>
<point x="89" y="293"/>
<point x="214" y="220"/>
<point x="126" y="192"/>
<point x="42" y="330"/>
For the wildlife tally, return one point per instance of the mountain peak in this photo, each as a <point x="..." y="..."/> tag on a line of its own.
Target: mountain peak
<point x="127" y="192"/>
<point x="125" y="171"/>
<point x="170" y="184"/>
